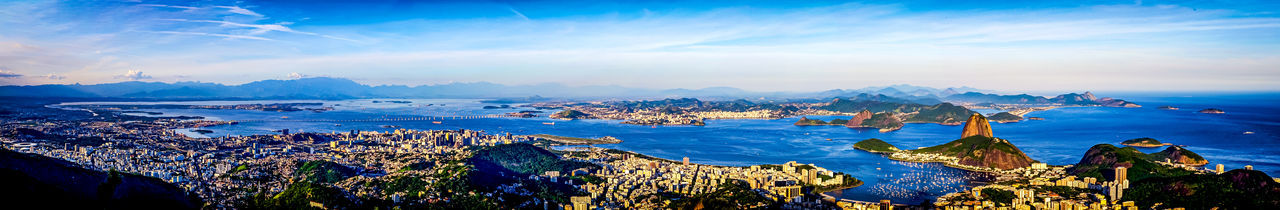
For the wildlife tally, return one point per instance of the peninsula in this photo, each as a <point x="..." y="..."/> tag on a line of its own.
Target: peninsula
<point x="976" y="150"/>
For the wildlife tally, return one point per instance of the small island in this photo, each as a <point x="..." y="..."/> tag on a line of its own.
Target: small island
<point x="1004" y="117"/>
<point x="874" y="145"/>
<point x="565" y="140"/>
<point x="1167" y="108"/>
<point x="805" y="121"/>
<point x="523" y="114"/>
<point x="570" y="115"/>
<point x="1035" y="118"/>
<point x="504" y="106"/>
<point x="1143" y="142"/>
<point x="1212" y="111"/>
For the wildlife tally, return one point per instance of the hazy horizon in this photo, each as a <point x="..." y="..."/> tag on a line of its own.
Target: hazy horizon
<point x="1032" y="47"/>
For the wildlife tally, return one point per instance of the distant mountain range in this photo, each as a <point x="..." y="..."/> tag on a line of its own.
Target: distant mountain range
<point x="339" y="88"/>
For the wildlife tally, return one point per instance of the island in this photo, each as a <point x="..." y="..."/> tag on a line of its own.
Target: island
<point x="874" y="145"/>
<point x="1143" y="142"/>
<point x="1005" y="117"/>
<point x="554" y="140"/>
<point x="1035" y="118"/>
<point x="570" y="115"/>
<point x="1212" y="111"/>
<point x="1167" y="108"/>
<point x="504" y="106"/>
<point x="523" y="114"/>
<point x="805" y="121"/>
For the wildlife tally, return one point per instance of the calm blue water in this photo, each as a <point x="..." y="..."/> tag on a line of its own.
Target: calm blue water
<point x="1060" y="139"/>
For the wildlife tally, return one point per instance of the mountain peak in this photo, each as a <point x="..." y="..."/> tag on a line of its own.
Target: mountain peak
<point x="976" y="126"/>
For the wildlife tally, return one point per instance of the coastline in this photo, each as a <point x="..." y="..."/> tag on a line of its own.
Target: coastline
<point x="944" y="163"/>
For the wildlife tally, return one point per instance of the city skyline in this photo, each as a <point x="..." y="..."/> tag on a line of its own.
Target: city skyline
<point x="1044" y="46"/>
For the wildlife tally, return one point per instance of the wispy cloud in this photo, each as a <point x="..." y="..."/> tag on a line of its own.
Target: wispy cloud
<point x="230" y="36"/>
<point x="259" y="29"/>
<point x="296" y="75"/>
<point x="518" y="14"/>
<point x="239" y="10"/>
<point x="169" y="6"/>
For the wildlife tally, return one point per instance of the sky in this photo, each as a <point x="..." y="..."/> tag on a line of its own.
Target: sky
<point x="753" y="45"/>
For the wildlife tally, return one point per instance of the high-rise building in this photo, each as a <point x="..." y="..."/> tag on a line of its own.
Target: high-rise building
<point x="885" y="205"/>
<point x="1219" y="169"/>
<point x="811" y="176"/>
<point x="1248" y="167"/>
<point x="686" y="161"/>
<point x="580" y="202"/>
<point x="1122" y="174"/>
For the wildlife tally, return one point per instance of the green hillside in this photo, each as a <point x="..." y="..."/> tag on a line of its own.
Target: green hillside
<point x="1102" y="159"/>
<point x="320" y="171"/>
<point x="875" y="145"/>
<point x="1235" y="189"/>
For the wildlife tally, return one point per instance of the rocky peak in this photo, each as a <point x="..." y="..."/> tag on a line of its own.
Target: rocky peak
<point x="858" y="119"/>
<point x="1089" y="96"/>
<point x="977" y="126"/>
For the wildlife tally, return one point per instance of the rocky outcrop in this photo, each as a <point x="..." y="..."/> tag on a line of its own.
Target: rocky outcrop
<point x="1088" y="96"/>
<point x="976" y="126"/>
<point x="857" y="120"/>
<point x="1178" y="155"/>
<point x="884" y="121"/>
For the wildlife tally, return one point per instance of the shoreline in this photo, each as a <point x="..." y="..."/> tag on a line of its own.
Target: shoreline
<point x="944" y="163"/>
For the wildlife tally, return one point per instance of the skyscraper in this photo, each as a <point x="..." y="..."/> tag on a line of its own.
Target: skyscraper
<point x="1219" y="169"/>
<point x="1122" y="174"/>
<point x="686" y="161"/>
<point x="1248" y="167"/>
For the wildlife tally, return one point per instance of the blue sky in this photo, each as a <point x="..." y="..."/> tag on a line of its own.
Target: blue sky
<point x="754" y="45"/>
